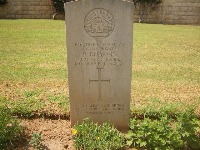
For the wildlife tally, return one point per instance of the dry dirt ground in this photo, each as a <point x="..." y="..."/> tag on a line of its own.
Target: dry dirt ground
<point x="56" y="134"/>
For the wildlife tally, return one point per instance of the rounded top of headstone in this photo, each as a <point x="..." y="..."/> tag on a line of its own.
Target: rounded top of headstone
<point x="99" y="22"/>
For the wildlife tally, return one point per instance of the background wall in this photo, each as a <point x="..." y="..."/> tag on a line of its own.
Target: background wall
<point x="175" y="12"/>
<point x="26" y="9"/>
<point x="168" y="12"/>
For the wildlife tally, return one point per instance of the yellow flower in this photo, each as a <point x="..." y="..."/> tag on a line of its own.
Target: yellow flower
<point x="74" y="131"/>
<point x="97" y="138"/>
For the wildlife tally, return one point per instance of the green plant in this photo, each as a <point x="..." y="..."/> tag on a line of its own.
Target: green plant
<point x="9" y="128"/>
<point x="154" y="108"/>
<point x="145" y="7"/>
<point x="188" y="128"/>
<point x="61" y="100"/>
<point x="58" y="5"/>
<point x="31" y="93"/>
<point x="3" y="2"/>
<point x="153" y="134"/>
<point x="90" y="136"/>
<point x="164" y="132"/>
<point x="36" y="141"/>
<point x="29" y="105"/>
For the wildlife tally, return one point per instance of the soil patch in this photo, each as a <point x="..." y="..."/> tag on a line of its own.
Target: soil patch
<point x="56" y="134"/>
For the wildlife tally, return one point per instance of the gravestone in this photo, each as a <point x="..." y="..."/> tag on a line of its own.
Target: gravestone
<point x="99" y="56"/>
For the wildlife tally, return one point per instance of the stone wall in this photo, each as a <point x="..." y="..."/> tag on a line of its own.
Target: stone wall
<point x="26" y="9"/>
<point x="168" y="12"/>
<point x="174" y="12"/>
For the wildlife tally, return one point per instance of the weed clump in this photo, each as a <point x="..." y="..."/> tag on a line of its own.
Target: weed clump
<point x="90" y="136"/>
<point x="10" y="129"/>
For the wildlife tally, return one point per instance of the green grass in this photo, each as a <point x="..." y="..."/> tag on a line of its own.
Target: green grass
<point x="166" y="62"/>
<point x="32" y="49"/>
<point x="167" y="53"/>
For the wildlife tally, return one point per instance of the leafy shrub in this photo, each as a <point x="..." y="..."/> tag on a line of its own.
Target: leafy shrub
<point x="145" y="7"/>
<point x="9" y="128"/>
<point x="90" y="136"/>
<point x="153" y="134"/>
<point x="147" y="1"/>
<point x="3" y="2"/>
<point x="58" y="5"/>
<point x="165" y="132"/>
<point x="188" y="128"/>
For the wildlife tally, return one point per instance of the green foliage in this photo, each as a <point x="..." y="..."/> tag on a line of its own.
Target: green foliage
<point x="36" y="141"/>
<point x="90" y="136"/>
<point x="3" y="2"/>
<point x="29" y="105"/>
<point x="58" y="5"/>
<point x="188" y="127"/>
<point x="31" y="93"/>
<point x="147" y="1"/>
<point x="154" y="108"/>
<point x="165" y="132"/>
<point x="153" y="134"/>
<point x="9" y="128"/>
<point x="32" y="104"/>
<point x="145" y="7"/>
<point x="61" y="100"/>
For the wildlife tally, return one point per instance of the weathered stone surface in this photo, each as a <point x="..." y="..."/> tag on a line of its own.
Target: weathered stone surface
<point x="99" y="54"/>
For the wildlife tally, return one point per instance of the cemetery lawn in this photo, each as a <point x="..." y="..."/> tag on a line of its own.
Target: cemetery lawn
<point x="33" y="69"/>
<point x="166" y="66"/>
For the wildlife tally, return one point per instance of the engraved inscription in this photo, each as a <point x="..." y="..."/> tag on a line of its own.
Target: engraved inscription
<point x="99" y="22"/>
<point x="98" y="54"/>
<point x="101" y="109"/>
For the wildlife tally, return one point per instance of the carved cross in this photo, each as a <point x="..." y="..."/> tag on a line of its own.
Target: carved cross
<point x="99" y="81"/>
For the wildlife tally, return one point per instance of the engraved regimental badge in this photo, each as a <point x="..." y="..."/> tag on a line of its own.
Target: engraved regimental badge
<point x="99" y="22"/>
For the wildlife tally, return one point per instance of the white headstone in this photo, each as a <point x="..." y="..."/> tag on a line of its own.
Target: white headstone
<point x="99" y="56"/>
